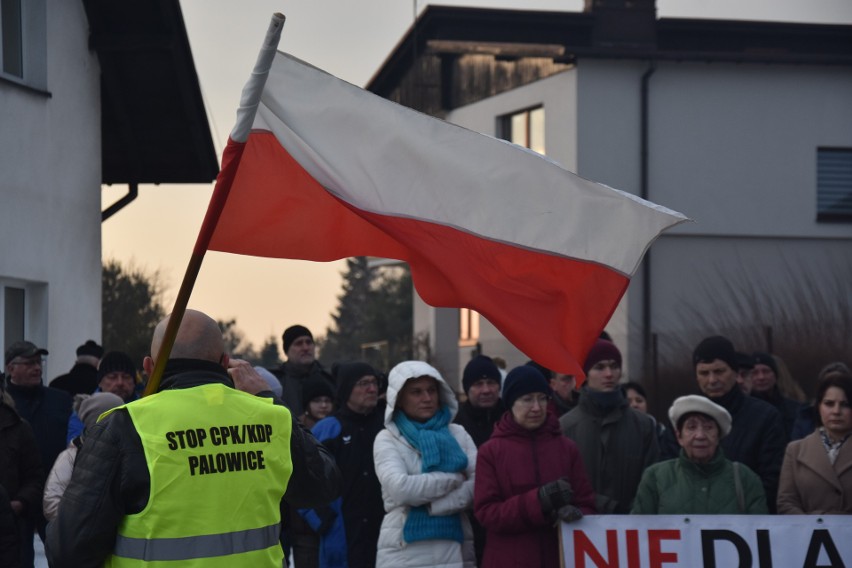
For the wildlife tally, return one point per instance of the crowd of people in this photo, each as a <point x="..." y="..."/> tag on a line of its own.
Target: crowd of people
<point x="229" y="464"/>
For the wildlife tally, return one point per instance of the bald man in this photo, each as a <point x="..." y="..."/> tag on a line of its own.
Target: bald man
<point x="193" y="475"/>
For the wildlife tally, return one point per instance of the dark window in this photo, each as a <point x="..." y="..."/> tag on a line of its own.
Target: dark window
<point x="13" y="315"/>
<point x="834" y="184"/>
<point x="11" y="34"/>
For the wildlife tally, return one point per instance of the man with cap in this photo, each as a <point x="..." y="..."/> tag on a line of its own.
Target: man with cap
<point x="300" y="367"/>
<point x="764" y="379"/>
<point x="46" y="409"/>
<point x="116" y="374"/>
<point x="83" y="376"/>
<point x="194" y="474"/>
<point x="757" y="434"/>
<point x="617" y="443"/>
<point x="349" y="527"/>
<point x="701" y="480"/>
<point x="483" y="407"/>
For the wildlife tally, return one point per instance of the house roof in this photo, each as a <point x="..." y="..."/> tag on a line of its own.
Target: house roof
<point x="618" y="34"/>
<point x="153" y="121"/>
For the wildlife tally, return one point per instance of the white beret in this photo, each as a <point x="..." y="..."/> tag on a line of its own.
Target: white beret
<point x="701" y="405"/>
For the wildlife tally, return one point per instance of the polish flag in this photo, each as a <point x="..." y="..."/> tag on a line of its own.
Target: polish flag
<point x="318" y="169"/>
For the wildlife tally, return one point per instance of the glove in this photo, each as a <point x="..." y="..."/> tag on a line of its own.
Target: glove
<point x="569" y="514"/>
<point x="555" y="495"/>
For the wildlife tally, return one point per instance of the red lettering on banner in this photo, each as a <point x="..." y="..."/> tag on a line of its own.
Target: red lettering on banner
<point x="583" y="547"/>
<point x="655" y="555"/>
<point x="632" y="548"/>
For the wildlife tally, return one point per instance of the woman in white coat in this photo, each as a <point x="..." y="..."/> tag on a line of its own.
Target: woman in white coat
<point x="425" y="465"/>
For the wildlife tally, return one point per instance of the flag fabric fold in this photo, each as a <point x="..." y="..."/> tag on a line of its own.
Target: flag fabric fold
<point x="329" y="171"/>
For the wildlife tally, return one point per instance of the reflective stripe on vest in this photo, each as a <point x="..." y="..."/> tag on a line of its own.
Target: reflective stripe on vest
<point x="206" y="546"/>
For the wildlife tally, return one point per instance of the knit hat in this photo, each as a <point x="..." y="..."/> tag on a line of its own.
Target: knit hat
<point x="91" y="349"/>
<point x="523" y="380"/>
<point x="698" y="404"/>
<point x="602" y="350"/>
<point x="96" y="404"/>
<point x="480" y="367"/>
<point x="293" y="333"/>
<point x="765" y="359"/>
<point x="116" y="361"/>
<point x="744" y="361"/>
<point x="716" y="347"/>
<point x="23" y="349"/>
<point x="315" y="388"/>
<point x="346" y="375"/>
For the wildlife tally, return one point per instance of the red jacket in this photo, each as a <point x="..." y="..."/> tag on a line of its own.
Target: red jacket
<point x="510" y="468"/>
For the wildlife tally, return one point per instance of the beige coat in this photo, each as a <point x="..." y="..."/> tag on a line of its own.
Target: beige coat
<point x="810" y="485"/>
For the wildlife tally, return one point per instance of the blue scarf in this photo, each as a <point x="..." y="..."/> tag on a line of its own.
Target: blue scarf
<point x="439" y="451"/>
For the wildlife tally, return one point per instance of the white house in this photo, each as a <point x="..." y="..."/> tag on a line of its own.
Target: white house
<point x="746" y="127"/>
<point x="91" y="92"/>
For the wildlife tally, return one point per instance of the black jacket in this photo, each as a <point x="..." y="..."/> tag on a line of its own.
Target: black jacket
<point x="21" y="473"/>
<point x="47" y="410"/>
<point x="479" y="422"/>
<point x="757" y="439"/>
<point x="788" y="408"/>
<point x="10" y="554"/>
<point x="111" y="477"/>
<point x="81" y="379"/>
<point x="292" y="381"/>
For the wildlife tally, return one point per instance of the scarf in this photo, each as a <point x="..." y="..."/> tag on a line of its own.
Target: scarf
<point x="832" y="448"/>
<point x="439" y="451"/>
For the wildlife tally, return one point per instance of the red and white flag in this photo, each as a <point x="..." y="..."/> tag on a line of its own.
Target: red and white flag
<point x="321" y="170"/>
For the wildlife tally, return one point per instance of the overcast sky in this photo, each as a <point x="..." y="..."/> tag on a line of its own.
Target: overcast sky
<point x="350" y="39"/>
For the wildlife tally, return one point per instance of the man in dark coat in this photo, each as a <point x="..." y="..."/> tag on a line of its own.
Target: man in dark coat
<point x="349" y="527"/>
<point x="483" y="407"/>
<point x="301" y="366"/>
<point x="83" y="376"/>
<point x="757" y="434"/>
<point x="46" y="409"/>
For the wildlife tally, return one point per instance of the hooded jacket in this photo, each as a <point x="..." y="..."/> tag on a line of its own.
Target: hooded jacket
<point x="404" y="485"/>
<point x="511" y="467"/>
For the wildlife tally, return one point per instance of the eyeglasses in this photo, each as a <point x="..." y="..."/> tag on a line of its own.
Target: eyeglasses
<point x="29" y="362"/>
<point x="531" y="400"/>
<point x="365" y="383"/>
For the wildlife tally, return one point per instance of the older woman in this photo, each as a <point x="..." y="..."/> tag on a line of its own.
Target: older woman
<point x="701" y="480"/>
<point x="528" y="477"/>
<point x="426" y="468"/>
<point x="816" y="478"/>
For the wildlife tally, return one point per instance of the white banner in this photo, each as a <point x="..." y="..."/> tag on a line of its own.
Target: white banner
<point x="708" y="541"/>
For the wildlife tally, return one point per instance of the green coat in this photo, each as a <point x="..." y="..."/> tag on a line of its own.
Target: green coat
<point x="680" y="486"/>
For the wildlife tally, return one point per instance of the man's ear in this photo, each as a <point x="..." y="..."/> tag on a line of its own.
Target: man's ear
<point x="148" y="365"/>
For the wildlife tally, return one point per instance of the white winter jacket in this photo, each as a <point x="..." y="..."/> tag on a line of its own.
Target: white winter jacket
<point x="398" y="467"/>
<point x="57" y="481"/>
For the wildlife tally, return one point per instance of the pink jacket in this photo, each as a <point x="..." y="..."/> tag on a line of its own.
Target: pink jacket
<point x="510" y="468"/>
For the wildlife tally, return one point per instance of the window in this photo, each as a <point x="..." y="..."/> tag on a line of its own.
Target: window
<point x="525" y="128"/>
<point x="834" y="184"/>
<point x="11" y="33"/>
<point x="468" y="326"/>
<point x="13" y="315"/>
<point x="23" y="42"/>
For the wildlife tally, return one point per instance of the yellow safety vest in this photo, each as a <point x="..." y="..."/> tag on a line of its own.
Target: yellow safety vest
<point x="219" y="461"/>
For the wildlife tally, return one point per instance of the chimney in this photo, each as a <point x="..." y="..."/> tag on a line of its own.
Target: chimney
<point x="623" y="23"/>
